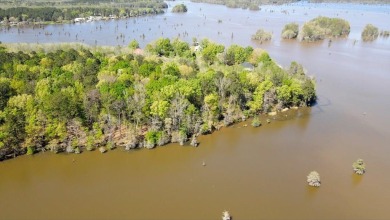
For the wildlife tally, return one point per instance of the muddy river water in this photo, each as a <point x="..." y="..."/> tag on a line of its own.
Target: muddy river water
<point x="255" y="173"/>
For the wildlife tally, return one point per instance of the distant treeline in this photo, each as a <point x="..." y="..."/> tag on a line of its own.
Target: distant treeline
<point x="352" y="1"/>
<point x="134" y="3"/>
<point x="252" y="4"/>
<point x="46" y="14"/>
<point x="60" y="11"/>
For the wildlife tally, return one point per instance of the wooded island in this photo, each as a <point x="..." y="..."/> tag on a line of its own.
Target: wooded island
<point x="75" y="98"/>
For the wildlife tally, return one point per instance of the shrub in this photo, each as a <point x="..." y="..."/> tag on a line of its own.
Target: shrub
<point x="385" y="33"/>
<point x="150" y="139"/>
<point x="90" y="143"/>
<point x="290" y="31"/>
<point x="110" y="145"/>
<point x="254" y="7"/>
<point x="262" y="35"/>
<point x="179" y="8"/>
<point x="134" y="44"/>
<point x="314" y="179"/>
<point x="162" y="138"/>
<point x="182" y="137"/>
<point x="256" y="122"/>
<point x="322" y="27"/>
<point x="30" y="151"/>
<point x="370" y="33"/>
<point x="359" y="167"/>
<point x="205" y="128"/>
<point x="77" y="150"/>
<point x="102" y="150"/>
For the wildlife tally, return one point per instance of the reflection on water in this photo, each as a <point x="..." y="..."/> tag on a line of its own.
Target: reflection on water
<point x="255" y="173"/>
<point x="312" y="191"/>
<point x="356" y="179"/>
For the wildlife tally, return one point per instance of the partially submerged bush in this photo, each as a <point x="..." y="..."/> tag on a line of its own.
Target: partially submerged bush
<point x="290" y="31"/>
<point x="254" y="7"/>
<point x="314" y="179"/>
<point x="30" y="151"/>
<point x="262" y="35"/>
<point x="385" y="33"/>
<point x="256" y="122"/>
<point x="226" y="215"/>
<point x="150" y="139"/>
<point x="102" y="149"/>
<point x="179" y="8"/>
<point x="323" y="27"/>
<point x="77" y="150"/>
<point x="359" y="167"/>
<point x="194" y="141"/>
<point x="370" y="33"/>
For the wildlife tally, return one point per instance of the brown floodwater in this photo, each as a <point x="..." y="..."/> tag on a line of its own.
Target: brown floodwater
<point x="254" y="173"/>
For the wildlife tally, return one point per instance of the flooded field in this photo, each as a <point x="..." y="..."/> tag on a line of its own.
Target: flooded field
<point x="255" y="173"/>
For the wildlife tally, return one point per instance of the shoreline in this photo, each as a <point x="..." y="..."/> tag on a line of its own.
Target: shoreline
<point x="270" y="117"/>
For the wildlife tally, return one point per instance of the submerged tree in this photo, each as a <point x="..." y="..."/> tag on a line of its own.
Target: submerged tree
<point x="226" y="215"/>
<point x="324" y="27"/>
<point x="179" y="8"/>
<point x="359" y="167"/>
<point x="314" y="179"/>
<point x="290" y="31"/>
<point x="256" y="121"/>
<point x="262" y="35"/>
<point x="370" y="33"/>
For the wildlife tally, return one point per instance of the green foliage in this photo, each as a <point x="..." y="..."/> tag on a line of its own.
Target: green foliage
<point x="237" y="54"/>
<point x="290" y="31"/>
<point x="179" y="8"/>
<point x="370" y="33"/>
<point x="66" y="11"/>
<point x="30" y="151"/>
<point x="322" y="27"/>
<point x="70" y="99"/>
<point x="134" y="44"/>
<point x="6" y="92"/>
<point x="210" y="51"/>
<point x="181" y="48"/>
<point x="251" y="4"/>
<point x="159" y="108"/>
<point x="262" y="35"/>
<point x="256" y="104"/>
<point x="161" y="47"/>
<point x="256" y="122"/>
<point x="152" y="138"/>
<point x="359" y="167"/>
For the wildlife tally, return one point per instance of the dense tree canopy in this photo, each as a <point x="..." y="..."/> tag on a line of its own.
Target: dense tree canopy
<point x="74" y="99"/>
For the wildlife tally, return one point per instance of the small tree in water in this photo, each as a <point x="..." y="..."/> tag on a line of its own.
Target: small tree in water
<point x="359" y="167"/>
<point x="262" y="35"/>
<point x="226" y="215"/>
<point x="256" y="122"/>
<point x="370" y="33"/>
<point x="314" y="179"/>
